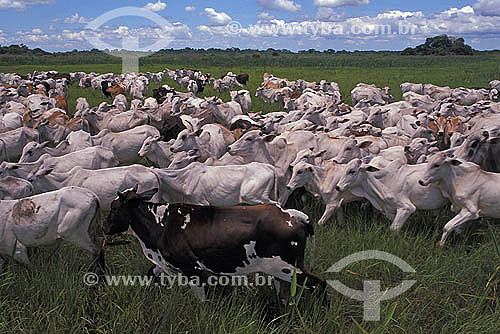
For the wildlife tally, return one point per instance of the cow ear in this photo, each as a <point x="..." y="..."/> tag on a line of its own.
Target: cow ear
<point x="205" y="138"/>
<point x="372" y="169"/>
<point x="364" y="144"/>
<point x="281" y="143"/>
<point x="432" y="125"/>
<point x="147" y="195"/>
<point x="317" y="155"/>
<point x="494" y="140"/>
<point x="456" y="162"/>
<point x="269" y="138"/>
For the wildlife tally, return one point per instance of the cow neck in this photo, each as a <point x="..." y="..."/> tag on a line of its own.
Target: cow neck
<point x="375" y="190"/>
<point x="61" y="179"/>
<point x="180" y="177"/>
<point x="264" y="155"/>
<point x="145" y="226"/>
<point x="326" y="173"/>
<point x="317" y="183"/>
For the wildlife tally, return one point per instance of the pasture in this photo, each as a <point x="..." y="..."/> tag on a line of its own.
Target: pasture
<point x="456" y="289"/>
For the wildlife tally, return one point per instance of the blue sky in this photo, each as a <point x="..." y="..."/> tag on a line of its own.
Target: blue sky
<point x="57" y="25"/>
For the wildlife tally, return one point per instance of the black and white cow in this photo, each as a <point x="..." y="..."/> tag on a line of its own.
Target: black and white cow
<point x="202" y="241"/>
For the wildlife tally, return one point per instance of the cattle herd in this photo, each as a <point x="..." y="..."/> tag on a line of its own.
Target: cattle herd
<point x="212" y="203"/>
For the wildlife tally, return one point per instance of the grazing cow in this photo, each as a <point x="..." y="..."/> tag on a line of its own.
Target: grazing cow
<point x="473" y="192"/>
<point x="197" y="184"/>
<point x="14" y="188"/>
<point x="69" y="214"/>
<point x="204" y="241"/>
<point x="393" y="190"/>
<point x="103" y="182"/>
<point x="242" y="79"/>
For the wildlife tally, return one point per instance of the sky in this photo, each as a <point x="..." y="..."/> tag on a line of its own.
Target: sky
<point x="56" y="25"/>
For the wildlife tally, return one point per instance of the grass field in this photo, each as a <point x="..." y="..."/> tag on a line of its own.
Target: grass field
<point x="456" y="289"/>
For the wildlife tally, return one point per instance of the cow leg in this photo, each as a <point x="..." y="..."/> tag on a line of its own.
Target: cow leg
<point x="328" y="213"/>
<point x="198" y="291"/>
<point x="402" y="214"/>
<point x="340" y="216"/>
<point x="21" y="254"/>
<point x="463" y="217"/>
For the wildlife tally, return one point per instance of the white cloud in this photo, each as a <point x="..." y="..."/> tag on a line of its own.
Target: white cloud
<point x="76" y="18"/>
<point x="20" y="4"/>
<point x="286" y="5"/>
<point x="264" y="17"/>
<point x="190" y="8"/>
<point x="37" y="31"/>
<point x="156" y="7"/>
<point x="328" y="15"/>
<point x="217" y="18"/>
<point x="341" y="3"/>
<point x="487" y="7"/>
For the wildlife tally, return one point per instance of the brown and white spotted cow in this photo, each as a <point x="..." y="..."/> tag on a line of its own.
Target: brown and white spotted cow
<point x="202" y="241"/>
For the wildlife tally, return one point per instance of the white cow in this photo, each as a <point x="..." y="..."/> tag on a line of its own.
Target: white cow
<point x="14" y="188"/>
<point x="473" y="192"/>
<point x="96" y="157"/>
<point x="321" y="181"/>
<point x="105" y="183"/>
<point x="69" y="214"/>
<point x="127" y="144"/>
<point x="254" y="183"/>
<point x="157" y="151"/>
<point x="393" y="190"/>
<point x="209" y="141"/>
<point x="12" y="142"/>
<point x="243" y="98"/>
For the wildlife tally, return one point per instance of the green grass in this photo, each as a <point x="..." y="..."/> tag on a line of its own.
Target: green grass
<point x="452" y="294"/>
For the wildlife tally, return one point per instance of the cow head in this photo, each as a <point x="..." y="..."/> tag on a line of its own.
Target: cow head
<point x="302" y="175"/>
<point x="353" y="175"/>
<point x="351" y="150"/>
<point x="120" y="217"/>
<point x="149" y="145"/>
<point x="32" y="151"/>
<point x="438" y="168"/>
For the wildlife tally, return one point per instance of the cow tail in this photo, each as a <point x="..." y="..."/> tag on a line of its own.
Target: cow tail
<point x="310" y="233"/>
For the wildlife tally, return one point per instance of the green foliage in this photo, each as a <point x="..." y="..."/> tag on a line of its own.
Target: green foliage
<point x="442" y="45"/>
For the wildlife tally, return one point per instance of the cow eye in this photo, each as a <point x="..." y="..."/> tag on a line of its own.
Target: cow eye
<point x="352" y="171"/>
<point x="183" y="137"/>
<point x="29" y="152"/>
<point x="348" y="149"/>
<point x="300" y="172"/>
<point x="248" y="139"/>
<point x="436" y="166"/>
